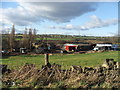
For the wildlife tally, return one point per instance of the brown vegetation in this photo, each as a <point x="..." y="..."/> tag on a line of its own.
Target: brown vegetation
<point x="52" y="76"/>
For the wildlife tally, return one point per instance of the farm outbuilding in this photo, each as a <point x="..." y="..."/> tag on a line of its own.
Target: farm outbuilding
<point x="23" y="50"/>
<point x="115" y="47"/>
<point x="103" y="47"/>
<point x="70" y="47"/>
<point x="84" y="47"/>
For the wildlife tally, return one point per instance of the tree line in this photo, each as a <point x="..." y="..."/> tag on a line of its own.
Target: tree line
<point x="10" y="43"/>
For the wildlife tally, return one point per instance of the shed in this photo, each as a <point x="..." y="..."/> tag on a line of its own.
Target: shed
<point x="23" y="50"/>
<point x="115" y="47"/>
<point x="70" y="47"/>
<point x="103" y="47"/>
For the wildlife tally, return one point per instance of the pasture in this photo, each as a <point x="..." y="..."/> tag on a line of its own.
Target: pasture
<point x="66" y="60"/>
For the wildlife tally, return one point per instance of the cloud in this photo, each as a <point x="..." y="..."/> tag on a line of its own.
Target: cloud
<point x="32" y="12"/>
<point x="7" y="29"/>
<point x="4" y="30"/>
<point x="95" y="22"/>
<point x="61" y="0"/>
<point x="18" y="16"/>
<point x="99" y="23"/>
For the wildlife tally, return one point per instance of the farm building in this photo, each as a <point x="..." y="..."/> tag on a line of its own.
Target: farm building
<point x="102" y="47"/>
<point x="23" y="50"/>
<point x="115" y="47"/>
<point x="84" y="47"/>
<point x="77" y="47"/>
<point x="70" y="47"/>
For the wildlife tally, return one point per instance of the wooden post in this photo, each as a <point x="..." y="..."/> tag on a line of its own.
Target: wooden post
<point x="46" y="58"/>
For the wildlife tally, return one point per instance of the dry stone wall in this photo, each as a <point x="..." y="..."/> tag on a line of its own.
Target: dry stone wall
<point x="103" y="76"/>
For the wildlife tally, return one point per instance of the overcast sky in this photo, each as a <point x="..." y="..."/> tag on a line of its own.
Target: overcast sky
<point x="74" y="18"/>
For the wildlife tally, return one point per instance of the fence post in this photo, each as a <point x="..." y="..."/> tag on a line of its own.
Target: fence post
<point x="46" y="58"/>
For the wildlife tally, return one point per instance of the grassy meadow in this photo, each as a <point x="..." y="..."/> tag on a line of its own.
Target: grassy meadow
<point x="66" y="60"/>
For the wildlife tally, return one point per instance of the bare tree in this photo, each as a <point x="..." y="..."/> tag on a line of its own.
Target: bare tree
<point x="114" y="39"/>
<point x="5" y="40"/>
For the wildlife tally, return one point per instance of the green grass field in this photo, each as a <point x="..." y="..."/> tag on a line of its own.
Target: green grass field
<point x="56" y="39"/>
<point x="65" y="38"/>
<point x="91" y="59"/>
<point x="50" y="39"/>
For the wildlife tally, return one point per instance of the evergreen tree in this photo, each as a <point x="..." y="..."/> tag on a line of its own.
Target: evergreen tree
<point x="12" y="38"/>
<point x="30" y="39"/>
<point x="25" y="39"/>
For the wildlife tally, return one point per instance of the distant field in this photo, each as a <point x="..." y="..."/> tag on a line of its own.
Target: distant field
<point x="65" y="38"/>
<point x="92" y="59"/>
<point x="50" y="39"/>
<point x="57" y="39"/>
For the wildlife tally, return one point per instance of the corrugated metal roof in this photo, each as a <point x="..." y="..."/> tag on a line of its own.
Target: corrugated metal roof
<point x="70" y="45"/>
<point x="103" y="45"/>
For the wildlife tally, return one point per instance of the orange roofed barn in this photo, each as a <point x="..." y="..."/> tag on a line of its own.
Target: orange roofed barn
<point x="70" y="47"/>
